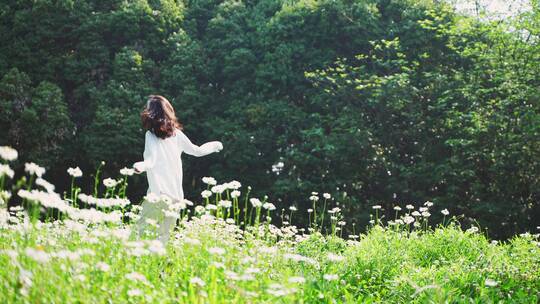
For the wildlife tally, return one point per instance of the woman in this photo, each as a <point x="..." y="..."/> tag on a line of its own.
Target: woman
<point x="164" y="144"/>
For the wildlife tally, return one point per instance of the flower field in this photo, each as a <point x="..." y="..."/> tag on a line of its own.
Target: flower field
<point x="229" y="247"/>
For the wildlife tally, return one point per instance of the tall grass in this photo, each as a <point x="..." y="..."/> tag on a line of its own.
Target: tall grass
<point x="226" y="249"/>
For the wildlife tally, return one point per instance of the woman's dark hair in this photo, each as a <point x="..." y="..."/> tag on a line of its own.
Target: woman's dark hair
<point x="159" y="117"/>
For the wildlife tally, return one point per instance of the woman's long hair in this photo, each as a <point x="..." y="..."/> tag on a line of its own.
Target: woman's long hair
<point x="159" y="117"/>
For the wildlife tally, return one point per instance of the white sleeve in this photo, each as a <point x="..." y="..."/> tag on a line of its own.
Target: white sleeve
<point x="187" y="146"/>
<point x="148" y="154"/>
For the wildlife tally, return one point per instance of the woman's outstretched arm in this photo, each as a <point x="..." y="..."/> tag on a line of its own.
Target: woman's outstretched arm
<point x="187" y="146"/>
<point x="149" y="154"/>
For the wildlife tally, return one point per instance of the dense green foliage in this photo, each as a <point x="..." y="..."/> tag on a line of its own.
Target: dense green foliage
<point x="374" y="101"/>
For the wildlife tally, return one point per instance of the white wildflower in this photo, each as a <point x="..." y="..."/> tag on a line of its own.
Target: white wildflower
<point x="269" y="206"/>
<point x="330" y="277"/>
<point x="134" y="292"/>
<point x="206" y="193"/>
<point x="32" y="168"/>
<point x="6" y="170"/>
<point x="255" y="202"/>
<point x="103" y="266"/>
<point x="234" y="185"/>
<point x="297" y="280"/>
<point x="225" y="204"/>
<point x="335" y="258"/>
<point x="235" y="194"/>
<point x="218" y="189"/>
<point x="110" y="183"/>
<point x="127" y="171"/>
<point x="8" y="153"/>
<point x="209" y="181"/>
<point x="197" y="281"/>
<point x="75" y="172"/>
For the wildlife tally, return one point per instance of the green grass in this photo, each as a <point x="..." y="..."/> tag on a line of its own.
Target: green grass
<point x="384" y="265"/>
<point x="80" y="249"/>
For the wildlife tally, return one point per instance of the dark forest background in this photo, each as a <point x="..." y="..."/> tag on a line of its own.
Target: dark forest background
<point x="374" y="101"/>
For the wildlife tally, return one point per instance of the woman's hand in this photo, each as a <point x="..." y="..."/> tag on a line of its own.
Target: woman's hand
<point x="138" y="167"/>
<point x="218" y="146"/>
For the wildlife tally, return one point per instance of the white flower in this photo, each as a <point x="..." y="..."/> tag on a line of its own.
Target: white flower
<point x="211" y="207"/>
<point x="75" y="172"/>
<point x="428" y="204"/>
<point x="310" y="210"/>
<point x="234" y="185"/>
<point x="110" y="183"/>
<point x="408" y="219"/>
<point x="445" y="212"/>
<point x="416" y="213"/>
<point x="297" y="280"/>
<point x="334" y="210"/>
<point x="206" y="193"/>
<point x="410" y="207"/>
<point x="209" y="180"/>
<point x="37" y="255"/>
<point x="199" y="209"/>
<point x="426" y="214"/>
<point x="134" y="293"/>
<point x="225" y="204"/>
<point x="473" y="229"/>
<point x="314" y="198"/>
<point x="491" y="283"/>
<point x="255" y="202"/>
<point x="8" y="153"/>
<point x="103" y="266"/>
<point x="277" y="167"/>
<point x="235" y="194"/>
<point x="33" y="168"/>
<point x="335" y="258"/>
<point x="397" y="208"/>
<point x="269" y="206"/>
<point x="218" y="189"/>
<point x="216" y="250"/>
<point x="127" y="171"/>
<point x="423" y="209"/>
<point x="6" y="170"/>
<point x="292" y="208"/>
<point x="327" y="195"/>
<point x="188" y="202"/>
<point x="196" y="281"/>
<point x="135" y="276"/>
<point x="376" y="207"/>
<point x="45" y="184"/>
<point x="330" y="277"/>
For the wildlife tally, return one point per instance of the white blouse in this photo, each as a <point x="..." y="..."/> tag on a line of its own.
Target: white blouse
<point x="163" y="163"/>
